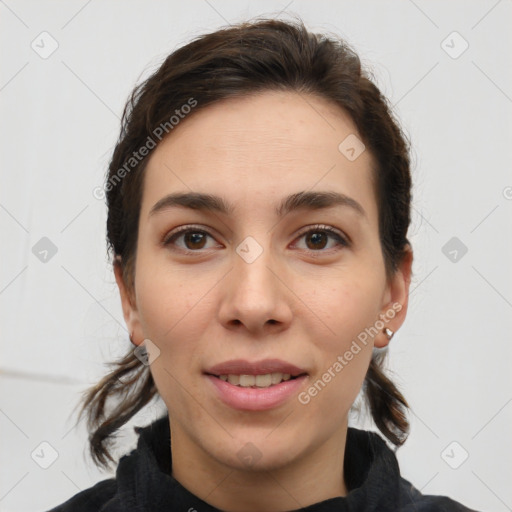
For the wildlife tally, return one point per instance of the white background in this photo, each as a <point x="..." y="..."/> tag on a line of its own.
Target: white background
<point x="61" y="321"/>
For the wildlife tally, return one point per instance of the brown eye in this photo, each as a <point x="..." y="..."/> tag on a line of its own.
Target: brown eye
<point x="187" y="239"/>
<point x="317" y="238"/>
<point x="194" y="240"/>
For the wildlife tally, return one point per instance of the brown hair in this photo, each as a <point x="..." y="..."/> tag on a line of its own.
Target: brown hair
<point x="247" y="58"/>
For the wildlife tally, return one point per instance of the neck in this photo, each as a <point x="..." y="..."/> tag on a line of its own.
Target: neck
<point x="315" y="476"/>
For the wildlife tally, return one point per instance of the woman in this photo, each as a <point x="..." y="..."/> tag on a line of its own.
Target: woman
<point x="258" y="207"/>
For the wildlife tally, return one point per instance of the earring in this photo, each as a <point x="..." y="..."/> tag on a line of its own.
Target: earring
<point x="388" y="332"/>
<point x="131" y="338"/>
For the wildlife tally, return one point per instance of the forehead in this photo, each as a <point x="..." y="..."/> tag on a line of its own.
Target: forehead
<point x="260" y="146"/>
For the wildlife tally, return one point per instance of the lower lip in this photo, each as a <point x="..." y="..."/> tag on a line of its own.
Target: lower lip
<point x="256" y="399"/>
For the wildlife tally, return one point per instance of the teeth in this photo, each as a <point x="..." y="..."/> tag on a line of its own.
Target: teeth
<point x="264" y="381"/>
<point x="260" y="381"/>
<point x="276" y="378"/>
<point x="234" y="379"/>
<point x="247" y="380"/>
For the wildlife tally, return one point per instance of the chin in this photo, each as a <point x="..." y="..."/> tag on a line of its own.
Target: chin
<point x="260" y="451"/>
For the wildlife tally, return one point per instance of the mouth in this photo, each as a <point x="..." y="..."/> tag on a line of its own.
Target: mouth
<point x="258" y="374"/>
<point x="256" y="386"/>
<point x="265" y="380"/>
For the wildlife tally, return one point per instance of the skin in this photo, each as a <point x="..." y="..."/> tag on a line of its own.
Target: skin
<point x="302" y="300"/>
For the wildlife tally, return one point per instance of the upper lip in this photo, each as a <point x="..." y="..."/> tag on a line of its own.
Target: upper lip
<point x="243" y="367"/>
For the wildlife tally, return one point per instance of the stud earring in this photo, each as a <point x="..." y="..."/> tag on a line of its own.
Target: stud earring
<point x="131" y="338"/>
<point x="388" y="332"/>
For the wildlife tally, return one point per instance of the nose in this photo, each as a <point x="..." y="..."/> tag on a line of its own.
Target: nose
<point x="256" y="296"/>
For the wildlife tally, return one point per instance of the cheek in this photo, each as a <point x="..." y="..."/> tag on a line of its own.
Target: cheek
<point x="174" y="318"/>
<point x="170" y="302"/>
<point x="344" y="361"/>
<point x="348" y="313"/>
<point x="348" y="308"/>
<point x="175" y="311"/>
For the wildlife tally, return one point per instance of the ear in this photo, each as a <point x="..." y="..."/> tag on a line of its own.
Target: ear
<point x="130" y="312"/>
<point x="396" y="299"/>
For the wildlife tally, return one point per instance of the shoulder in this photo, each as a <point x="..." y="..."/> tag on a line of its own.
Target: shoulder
<point x="417" y="502"/>
<point x="89" y="500"/>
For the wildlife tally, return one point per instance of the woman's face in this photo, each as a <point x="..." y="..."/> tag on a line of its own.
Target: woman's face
<point x="262" y="280"/>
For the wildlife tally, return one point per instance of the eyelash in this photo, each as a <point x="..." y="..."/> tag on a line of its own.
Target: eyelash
<point x="319" y="228"/>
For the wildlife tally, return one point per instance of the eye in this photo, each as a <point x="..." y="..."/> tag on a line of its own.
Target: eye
<point x="194" y="239"/>
<point x="317" y="237"/>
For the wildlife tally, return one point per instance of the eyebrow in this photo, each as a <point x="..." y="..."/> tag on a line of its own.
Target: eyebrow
<point x="298" y="201"/>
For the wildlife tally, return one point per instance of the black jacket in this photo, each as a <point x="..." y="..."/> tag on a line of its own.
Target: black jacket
<point x="144" y="483"/>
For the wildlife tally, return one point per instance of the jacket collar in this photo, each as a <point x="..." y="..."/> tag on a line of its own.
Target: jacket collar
<point x="145" y="482"/>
